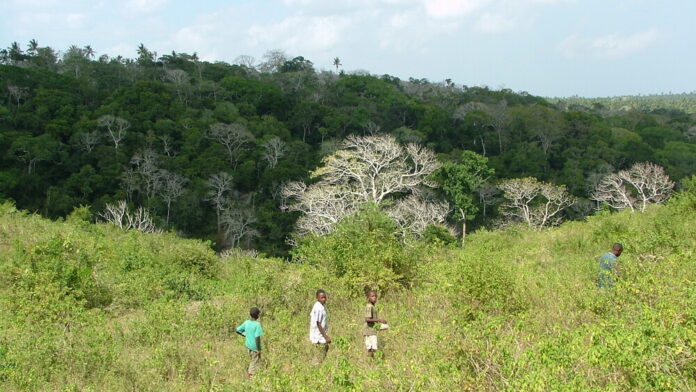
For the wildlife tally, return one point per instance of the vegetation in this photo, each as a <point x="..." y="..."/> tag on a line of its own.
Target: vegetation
<point x="685" y="102"/>
<point x="136" y="171"/>
<point x="93" y="307"/>
<point x="205" y="148"/>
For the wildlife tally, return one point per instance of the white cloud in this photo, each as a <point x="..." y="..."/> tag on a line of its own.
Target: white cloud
<point x="300" y="34"/>
<point x="75" y="19"/>
<point x="145" y="6"/>
<point x="452" y="8"/>
<point x="608" y="46"/>
<point x="495" y="23"/>
<point x="412" y="31"/>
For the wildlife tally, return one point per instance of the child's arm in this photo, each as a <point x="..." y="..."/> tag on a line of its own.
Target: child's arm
<point x="258" y="343"/>
<point x="375" y="320"/>
<point x="370" y="319"/>
<point x="323" y="333"/>
<point x="240" y="330"/>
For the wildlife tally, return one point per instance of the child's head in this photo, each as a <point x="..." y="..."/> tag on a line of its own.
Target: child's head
<point x="321" y="296"/>
<point x="371" y="295"/>
<point x="254" y="313"/>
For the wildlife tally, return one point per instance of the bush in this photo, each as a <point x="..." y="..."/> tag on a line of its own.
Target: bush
<point x="194" y="257"/>
<point x="364" y="250"/>
<point x="63" y="268"/>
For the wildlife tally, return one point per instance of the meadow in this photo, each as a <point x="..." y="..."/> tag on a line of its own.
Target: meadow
<point x="89" y="307"/>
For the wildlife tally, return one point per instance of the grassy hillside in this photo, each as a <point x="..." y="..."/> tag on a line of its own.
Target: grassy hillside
<point x="91" y="308"/>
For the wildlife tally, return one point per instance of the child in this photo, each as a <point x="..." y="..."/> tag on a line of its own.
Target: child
<point x="252" y="332"/>
<point x="319" y="328"/>
<point x="371" y="317"/>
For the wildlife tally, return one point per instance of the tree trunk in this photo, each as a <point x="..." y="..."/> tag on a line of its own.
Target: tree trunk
<point x="463" y="225"/>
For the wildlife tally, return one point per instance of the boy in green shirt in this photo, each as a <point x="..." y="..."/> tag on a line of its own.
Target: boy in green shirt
<point x="252" y="332"/>
<point x="608" y="267"/>
<point x="371" y="317"/>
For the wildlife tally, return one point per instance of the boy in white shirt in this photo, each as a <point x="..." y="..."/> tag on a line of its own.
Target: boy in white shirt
<point x="318" y="328"/>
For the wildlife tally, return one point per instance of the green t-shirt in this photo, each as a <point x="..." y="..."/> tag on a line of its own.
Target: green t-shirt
<point x="370" y="312"/>
<point x="251" y="330"/>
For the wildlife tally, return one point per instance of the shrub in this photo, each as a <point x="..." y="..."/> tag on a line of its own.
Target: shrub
<point x="194" y="257"/>
<point x="364" y="250"/>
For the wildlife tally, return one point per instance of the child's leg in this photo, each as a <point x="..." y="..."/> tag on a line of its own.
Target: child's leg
<point x="254" y="362"/>
<point x="319" y="352"/>
<point x="371" y="345"/>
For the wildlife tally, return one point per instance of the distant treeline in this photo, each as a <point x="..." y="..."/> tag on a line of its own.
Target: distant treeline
<point x="654" y="103"/>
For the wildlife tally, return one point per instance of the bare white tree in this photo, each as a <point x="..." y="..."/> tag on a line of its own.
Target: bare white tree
<point x="274" y="149"/>
<point x="238" y="225"/>
<point x="116" y="127"/>
<point x="413" y="215"/>
<point x="167" y="145"/>
<point x="120" y="215"/>
<point x="535" y="203"/>
<point x="18" y="93"/>
<point x="371" y="128"/>
<point x="369" y="169"/>
<point x="180" y="79"/>
<point x="234" y="137"/>
<point x="87" y="140"/>
<point x="172" y="188"/>
<point x="246" y="61"/>
<point x="372" y="168"/>
<point x="500" y="118"/>
<point x="273" y="60"/>
<point x="321" y="206"/>
<point x="635" y="188"/>
<point x="462" y="110"/>
<point x="145" y="165"/>
<point x="220" y="186"/>
<point x="130" y="180"/>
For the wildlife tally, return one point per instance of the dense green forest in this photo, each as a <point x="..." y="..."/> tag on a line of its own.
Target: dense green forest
<point x="158" y="131"/>
<point x="90" y="307"/>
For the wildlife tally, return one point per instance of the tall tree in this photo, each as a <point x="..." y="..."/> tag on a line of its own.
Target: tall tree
<point x="233" y="137"/>
<point x="219" y="189"/>
<point x="460" y="180"/>
<point x="635" y="188"/>
<point x="534" y="203"/>
<point x="369" y="169"/>
<point x="172" y="188"/>
<point x="116" y="127"/>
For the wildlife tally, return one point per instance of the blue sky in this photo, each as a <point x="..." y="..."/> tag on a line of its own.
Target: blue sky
<point x="545" y="47"/>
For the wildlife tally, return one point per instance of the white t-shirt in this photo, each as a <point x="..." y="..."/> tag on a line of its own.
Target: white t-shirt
<point x="318" y="314"/>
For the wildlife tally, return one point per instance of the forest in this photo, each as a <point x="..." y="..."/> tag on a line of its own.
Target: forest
<point x="207" y="149"/>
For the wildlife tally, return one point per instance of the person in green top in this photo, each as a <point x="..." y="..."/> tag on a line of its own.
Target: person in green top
<point x="608" y="267"/>
<point x="371" y="317"/>
<point x="252" y="332"/>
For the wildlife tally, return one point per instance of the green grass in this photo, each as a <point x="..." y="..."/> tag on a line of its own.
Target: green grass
<point x="92" y="308"/>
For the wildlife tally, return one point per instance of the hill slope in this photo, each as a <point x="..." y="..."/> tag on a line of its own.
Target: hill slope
<point x="90" y="307"/>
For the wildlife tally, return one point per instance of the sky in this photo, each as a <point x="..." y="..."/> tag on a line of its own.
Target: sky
<point x="551" y="48"/>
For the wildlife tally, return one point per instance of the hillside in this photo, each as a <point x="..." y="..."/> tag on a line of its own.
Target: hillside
<point x="91" y="307"/>
<point x="159" y="132"/>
